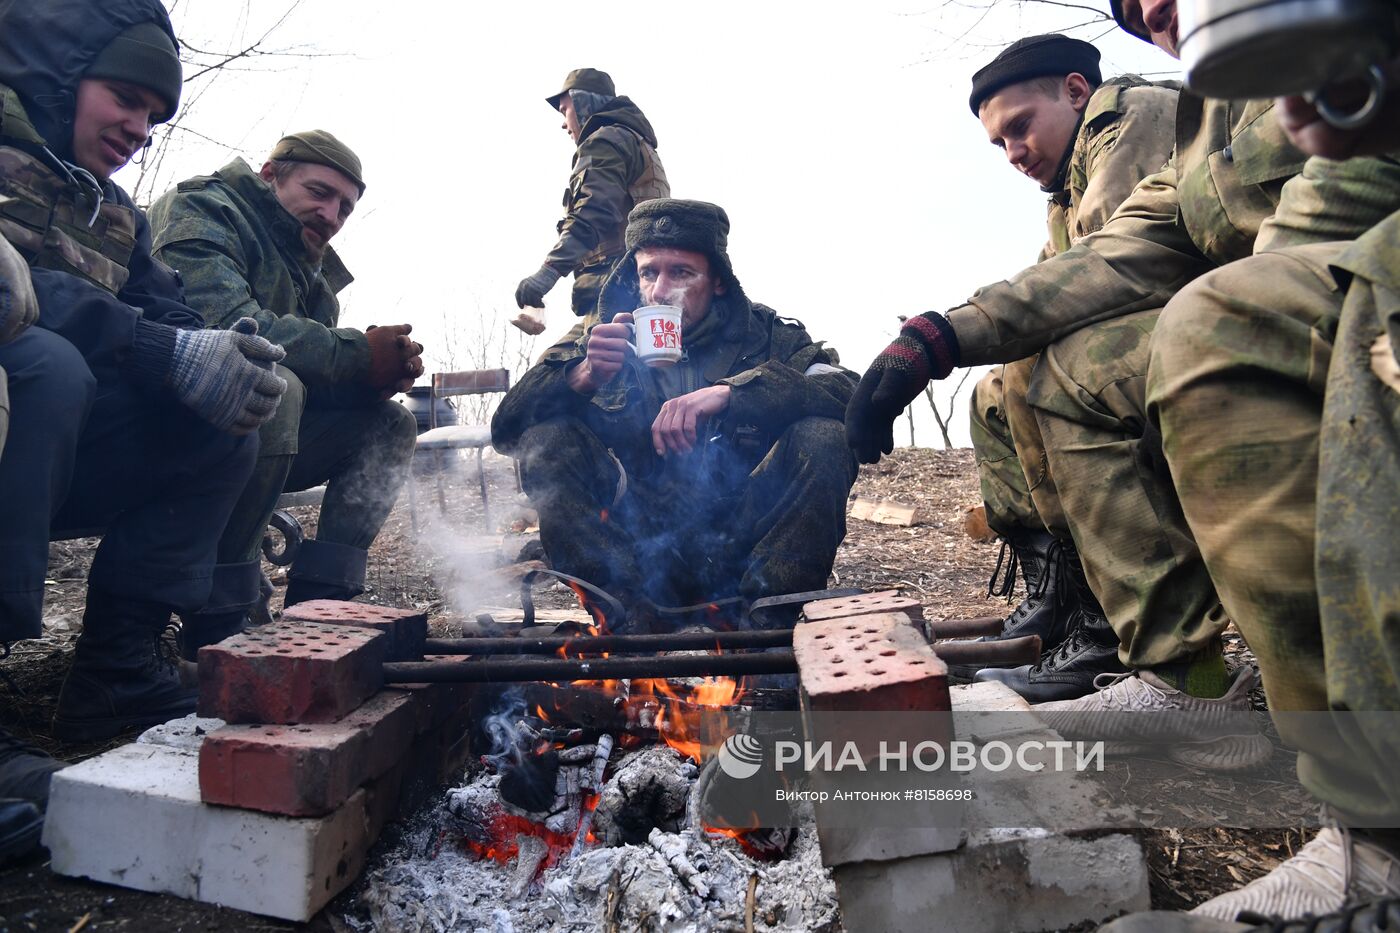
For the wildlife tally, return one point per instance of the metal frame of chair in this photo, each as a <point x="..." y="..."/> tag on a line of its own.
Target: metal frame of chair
<point x="439" y="440"/>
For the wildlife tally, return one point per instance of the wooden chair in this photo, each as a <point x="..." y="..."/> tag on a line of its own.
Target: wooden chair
<point x="454" y="437"/>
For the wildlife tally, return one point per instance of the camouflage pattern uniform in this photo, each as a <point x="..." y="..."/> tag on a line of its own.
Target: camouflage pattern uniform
<point x="1203" y="210"/>
<point x="1239" y="369"/>
<point x="762" y="503"/>
<point x="1126" y="134"/>
<point x="18" y="310"/>
<point x="615" y="168"/>
<point x="241" y="255"/>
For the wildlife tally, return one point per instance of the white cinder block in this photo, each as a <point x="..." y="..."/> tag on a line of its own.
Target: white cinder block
<point x="132" y="817"/>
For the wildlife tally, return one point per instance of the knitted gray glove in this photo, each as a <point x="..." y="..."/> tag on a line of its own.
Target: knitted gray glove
<point x="226" y="376"/>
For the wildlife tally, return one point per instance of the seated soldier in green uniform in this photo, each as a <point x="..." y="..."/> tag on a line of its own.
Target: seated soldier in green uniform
<point x="257" y="244"/>
<point x="724" y="474"/>
<point x="1087" y="143"/>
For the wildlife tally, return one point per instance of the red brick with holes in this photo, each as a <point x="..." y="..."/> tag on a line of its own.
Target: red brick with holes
<point x="291" y="672"/>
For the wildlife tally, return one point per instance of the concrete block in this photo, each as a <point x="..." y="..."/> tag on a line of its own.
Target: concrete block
<point x="878" y="603"/>
<point x="307" y="770"/>
<point x="291" y="672"/>
<point x="133" y="817"/>
<point x="874" y="663"/>
<point x="1002" y="881"/>
<point x="187" y="732"/>
<point x="406" y="629"/>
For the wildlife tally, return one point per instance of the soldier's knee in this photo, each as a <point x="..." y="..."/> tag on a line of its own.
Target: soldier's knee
<point x="399" y="426"/>
<point x="49" y="381"/>
<point x="820" y="443"/>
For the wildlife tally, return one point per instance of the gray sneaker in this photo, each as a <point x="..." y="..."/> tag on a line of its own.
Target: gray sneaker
<point x="1333" y="870"/>
<point x="1214" y="734"/>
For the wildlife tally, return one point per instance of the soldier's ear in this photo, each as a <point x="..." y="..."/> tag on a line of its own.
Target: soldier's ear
<point x="266" y="173"/>
<point x="1078" y="91"/>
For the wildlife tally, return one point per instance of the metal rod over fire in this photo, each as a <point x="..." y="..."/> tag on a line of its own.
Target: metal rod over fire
<point x="506" y="669"/>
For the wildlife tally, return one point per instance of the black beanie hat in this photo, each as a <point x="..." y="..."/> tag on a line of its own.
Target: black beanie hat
<point x="1131" y="29"/>
<point x="143" y="55"/>
<point x="1034" y="57"/>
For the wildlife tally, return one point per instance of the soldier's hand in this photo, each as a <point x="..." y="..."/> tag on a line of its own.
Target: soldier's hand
<point x="1307" y="130"/>
<point x="677" y="426"/>
<point x="607" y="349"/>
<point x="532" y="289"/>
<point x="226" y="376"/>
<point x="925" y="349"/>
<point x="392" y="355"/>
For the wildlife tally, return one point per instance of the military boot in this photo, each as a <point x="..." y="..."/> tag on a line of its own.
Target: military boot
<point x="236" y="591"/>
<point x="326" y="570"/>
<point x="121" y="679"/>
<point x="25" y="771"/>
<point x="1049" y="605"/>
<point x="1068" y="671"/>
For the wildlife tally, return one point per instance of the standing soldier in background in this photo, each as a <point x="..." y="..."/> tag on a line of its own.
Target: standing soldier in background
<point x="257" y="244"/>
<point x="1087" y="143"/>
<point x="615" y="168"/>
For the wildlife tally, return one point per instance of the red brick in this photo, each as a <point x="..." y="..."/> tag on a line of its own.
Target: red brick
<point x="879" y="603"/>
<point x="307" y="770"/>
<point x="407" y="628"/>
<point x="290" y="672"/>
<point x="870" y="665"/>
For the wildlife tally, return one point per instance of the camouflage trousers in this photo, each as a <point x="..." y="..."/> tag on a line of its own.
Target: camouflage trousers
<point x="361" y="453"/>
<point x="1011" y="461"/>
<point x="710" y="524"/>
<point x="1359" y="512"/>
<point x="1089" y="394"/>
<point x="1240" y="364"/>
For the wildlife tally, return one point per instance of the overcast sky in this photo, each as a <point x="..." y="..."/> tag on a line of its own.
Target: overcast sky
<point x="838" y="138"/>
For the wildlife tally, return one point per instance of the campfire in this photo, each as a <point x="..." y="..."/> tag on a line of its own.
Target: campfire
<point x="587" y="801"/>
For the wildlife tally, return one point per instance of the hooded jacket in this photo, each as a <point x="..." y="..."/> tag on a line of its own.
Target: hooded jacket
<point x="615" y="167"/>
<point x="121" y="318"/>
<point x="776" y="372"/>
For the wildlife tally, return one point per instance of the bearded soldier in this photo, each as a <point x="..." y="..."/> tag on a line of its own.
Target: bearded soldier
<point x="257" y="244"/>
<point x="724" y="474"/>
<point x="615" y="168"/>
<point x="1087" y="143"/>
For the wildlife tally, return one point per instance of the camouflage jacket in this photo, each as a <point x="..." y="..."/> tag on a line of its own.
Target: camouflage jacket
<point x="1127" y="133"/>
<point x="776" y="372"/>
<point x="1203" y="209"/>
<point x="88" y="252"/>
<point x="615" y="167"/>
<point x="241" y="255"/>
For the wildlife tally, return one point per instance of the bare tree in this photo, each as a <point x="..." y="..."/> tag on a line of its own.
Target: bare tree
<point x="227" y="42"/>
<point x="482" y="339"/>
<point x="938" y="415"/>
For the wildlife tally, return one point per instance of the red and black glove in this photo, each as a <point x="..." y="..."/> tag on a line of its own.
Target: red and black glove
<point x="925" y="349"/>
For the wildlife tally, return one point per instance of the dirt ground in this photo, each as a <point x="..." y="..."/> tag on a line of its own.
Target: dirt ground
<point x="444" y="567"/>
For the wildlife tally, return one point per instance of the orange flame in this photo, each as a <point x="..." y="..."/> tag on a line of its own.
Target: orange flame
<point x="683" y="722"/>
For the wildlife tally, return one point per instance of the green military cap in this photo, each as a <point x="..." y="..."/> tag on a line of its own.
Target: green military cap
<point x="146" y="56"/>
<point x="1051" y="55"/>
<point x="322" y="148"/>
<point x="584" y="79"/>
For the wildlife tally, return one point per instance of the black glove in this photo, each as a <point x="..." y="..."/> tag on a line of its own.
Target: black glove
<point x="925" y="349"/>
<point x="531" y="291"/>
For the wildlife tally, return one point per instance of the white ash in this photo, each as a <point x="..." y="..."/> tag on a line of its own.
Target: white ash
<point x="681" y="882"/>
<point x="648" y="790"/>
